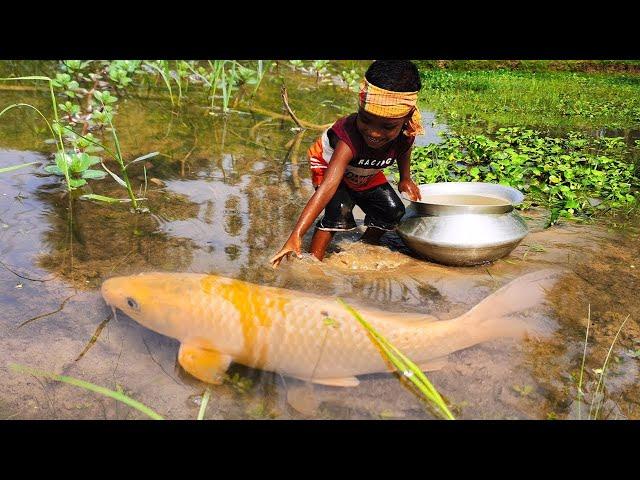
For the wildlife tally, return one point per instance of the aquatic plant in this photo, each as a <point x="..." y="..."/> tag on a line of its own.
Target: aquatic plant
<point x="119" y="396"/>
<point x="319" y="67"/>
<point x="404" y="365"/>
<point x="78" y="167"/>
<point x="74" y="164"/>
<point x="54" y="127"/>
<point x="351" y="78"/>
<point x="573" y="176"/>
<point x="598" y="394"/>
<point x="205" y="402"/>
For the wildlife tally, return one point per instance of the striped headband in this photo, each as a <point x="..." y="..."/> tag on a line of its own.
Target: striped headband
<point x="385" y="103"/>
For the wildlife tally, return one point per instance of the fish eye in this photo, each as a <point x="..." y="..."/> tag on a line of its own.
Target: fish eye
<point x="132" y="303"/>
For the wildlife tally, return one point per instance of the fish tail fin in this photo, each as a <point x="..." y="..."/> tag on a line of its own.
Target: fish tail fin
<point x="503" y="313"/>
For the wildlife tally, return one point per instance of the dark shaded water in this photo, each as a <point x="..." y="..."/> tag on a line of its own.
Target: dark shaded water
<point x="223" y="198"/>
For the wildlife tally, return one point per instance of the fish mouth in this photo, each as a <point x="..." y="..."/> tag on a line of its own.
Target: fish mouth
<point x="111" y="293"/>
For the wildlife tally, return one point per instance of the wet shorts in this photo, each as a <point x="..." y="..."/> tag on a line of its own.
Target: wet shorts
<point x="381" y="204"/>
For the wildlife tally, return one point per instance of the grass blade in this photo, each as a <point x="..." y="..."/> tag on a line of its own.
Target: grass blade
<point x="143" y="157"/>
<point x="91" y="387"/>
<point x="164" y="77"/>
<point x="15" y="167"/>
<point x="600" y="385"/>
<point x="115" y="177"/>
<point x="100" y="198"/>
<point x="409" y="369"/>
<point x="205" y="402"/>
<point x="584" y="354"/>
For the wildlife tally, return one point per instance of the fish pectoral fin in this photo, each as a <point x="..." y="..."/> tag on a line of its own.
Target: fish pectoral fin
<point x="206" y="365"/>
<point x="337" y="382"/>
<point x="303" y="399"/>
<point x="433" y="365"/>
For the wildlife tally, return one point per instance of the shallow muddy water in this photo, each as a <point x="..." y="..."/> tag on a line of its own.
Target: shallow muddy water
<point x="223" y="198"/>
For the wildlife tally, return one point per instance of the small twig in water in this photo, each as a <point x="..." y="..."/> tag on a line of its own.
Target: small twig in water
<point x="285" y="100"/>
<point x="46" y="314"/>
<point x="95" y="336"/>
<point x="26" y="278"/>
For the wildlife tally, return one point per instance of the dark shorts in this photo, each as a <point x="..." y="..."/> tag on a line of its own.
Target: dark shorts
<point x="381" y="204"/>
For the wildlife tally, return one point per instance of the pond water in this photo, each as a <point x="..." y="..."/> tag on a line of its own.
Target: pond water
<point x="223" y="197"/>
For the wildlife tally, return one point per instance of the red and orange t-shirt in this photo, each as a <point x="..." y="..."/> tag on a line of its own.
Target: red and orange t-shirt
<point x="364" y="171"/>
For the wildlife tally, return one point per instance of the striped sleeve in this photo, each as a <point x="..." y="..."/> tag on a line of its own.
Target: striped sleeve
<point x="319" y="157"/>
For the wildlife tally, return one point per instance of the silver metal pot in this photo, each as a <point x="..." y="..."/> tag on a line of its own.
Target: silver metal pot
<point x="464" y="233"/>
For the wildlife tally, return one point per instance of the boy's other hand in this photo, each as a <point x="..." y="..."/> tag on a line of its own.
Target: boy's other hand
<point x="292" y="246"/>
<point x="410" y="188"/>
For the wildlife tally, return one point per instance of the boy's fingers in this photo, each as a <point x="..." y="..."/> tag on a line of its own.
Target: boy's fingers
<point x="276" y="259"/>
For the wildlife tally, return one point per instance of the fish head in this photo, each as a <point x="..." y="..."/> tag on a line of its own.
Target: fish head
<point x="149" y="298"/>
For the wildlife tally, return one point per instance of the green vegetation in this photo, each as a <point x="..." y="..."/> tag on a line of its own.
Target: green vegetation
<point x="597" y="397"/>
<point x="535" y="65"/>
<point x="205" y="402"/>
<point x="573" y="176"/>
<point x="532" y="99"/>
<point x="404" y="365"/>
<point x="119" y="396"/>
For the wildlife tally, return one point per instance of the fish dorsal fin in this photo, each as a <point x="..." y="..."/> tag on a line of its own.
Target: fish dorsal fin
<point x="204" y="364"/>
<point x="338" y="382"/>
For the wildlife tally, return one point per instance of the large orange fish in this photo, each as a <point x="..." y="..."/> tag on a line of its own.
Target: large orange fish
<point x="221" y="320"/>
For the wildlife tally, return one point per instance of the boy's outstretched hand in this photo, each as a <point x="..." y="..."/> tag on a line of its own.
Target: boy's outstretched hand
<point x="410" y="188"/>
<point x="292" y="246"/>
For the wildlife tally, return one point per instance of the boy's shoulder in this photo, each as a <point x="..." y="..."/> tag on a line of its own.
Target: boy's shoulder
<point x="345" y="125"/>
<point x="348" y="121"/>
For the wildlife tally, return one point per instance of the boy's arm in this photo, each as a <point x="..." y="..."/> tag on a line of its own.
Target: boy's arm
<point x="341" y="157"/>
<point x="406" y="184"/>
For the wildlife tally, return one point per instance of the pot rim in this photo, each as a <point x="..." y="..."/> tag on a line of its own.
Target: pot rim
<point x="509" y="194"/>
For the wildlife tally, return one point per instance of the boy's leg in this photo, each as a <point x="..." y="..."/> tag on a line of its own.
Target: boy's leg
<point x="383" y="209"/>
<point x="372" y="235"/>
<point x="320" y="242"/>
<point x="338" y="217"/>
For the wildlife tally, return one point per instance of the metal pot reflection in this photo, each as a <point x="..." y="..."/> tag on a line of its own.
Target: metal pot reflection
<point x="463" y="223"/>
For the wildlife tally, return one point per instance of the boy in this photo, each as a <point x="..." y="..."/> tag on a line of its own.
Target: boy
<point x="348" y="159"/>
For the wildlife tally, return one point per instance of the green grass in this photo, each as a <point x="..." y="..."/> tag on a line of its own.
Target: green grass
<point x="537" y="99"/>
<point x="534" y="65"/>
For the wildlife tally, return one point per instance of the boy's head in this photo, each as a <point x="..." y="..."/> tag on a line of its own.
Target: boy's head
<point x="394" y="75"/>
<point x="388" y="97"/>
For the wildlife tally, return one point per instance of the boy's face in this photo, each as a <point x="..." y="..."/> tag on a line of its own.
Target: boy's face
<point x="378" y="131"/>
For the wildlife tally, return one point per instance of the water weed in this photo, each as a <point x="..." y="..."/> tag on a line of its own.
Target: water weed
<point x="572" y="176"/>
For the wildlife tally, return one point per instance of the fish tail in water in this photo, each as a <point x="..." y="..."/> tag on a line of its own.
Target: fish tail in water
<point x="502" y="314"/>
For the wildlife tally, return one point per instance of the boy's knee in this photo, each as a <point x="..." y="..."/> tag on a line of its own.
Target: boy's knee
<point x="398" y="212"/>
